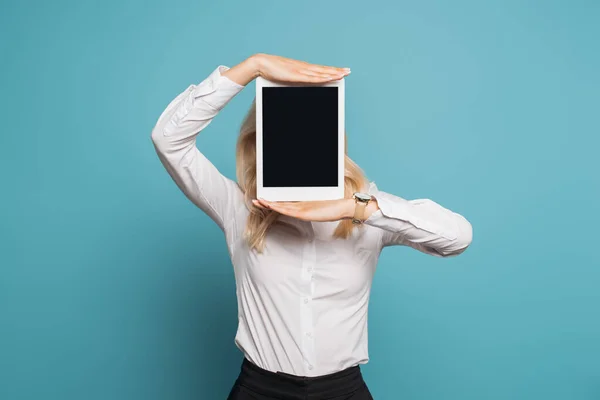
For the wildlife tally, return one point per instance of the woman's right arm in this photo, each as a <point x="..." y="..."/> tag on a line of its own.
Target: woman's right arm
<point x="174" y="138"/>
<point x="174" y="135"/>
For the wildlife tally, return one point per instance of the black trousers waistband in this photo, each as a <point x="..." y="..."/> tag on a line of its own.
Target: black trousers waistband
<point x="285" y="386"/>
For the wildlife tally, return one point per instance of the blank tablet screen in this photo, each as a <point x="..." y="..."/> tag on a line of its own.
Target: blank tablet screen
<point x="300" y="136"/>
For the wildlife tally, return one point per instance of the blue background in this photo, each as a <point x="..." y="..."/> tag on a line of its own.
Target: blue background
<point x="113" y="286"/>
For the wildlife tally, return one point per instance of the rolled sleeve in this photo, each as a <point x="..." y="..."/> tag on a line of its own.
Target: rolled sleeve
<point x="420" y="223"/>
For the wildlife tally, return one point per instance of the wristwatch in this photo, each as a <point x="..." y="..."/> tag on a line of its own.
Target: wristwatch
<point x="361" y="202"/>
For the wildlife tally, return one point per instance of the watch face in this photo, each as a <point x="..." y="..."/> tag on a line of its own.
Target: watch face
<point x="362" y="197"/>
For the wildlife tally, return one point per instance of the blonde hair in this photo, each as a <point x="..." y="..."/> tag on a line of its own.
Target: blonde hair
<point x="259" y="220"/>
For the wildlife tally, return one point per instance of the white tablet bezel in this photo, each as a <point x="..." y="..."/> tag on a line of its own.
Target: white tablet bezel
<point x="300" y="193"/>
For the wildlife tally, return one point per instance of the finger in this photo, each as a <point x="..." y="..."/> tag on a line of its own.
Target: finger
<point x="285" y="204"/>
<point x="304" y="77"/>
<point x="326" y="69"/>
<point x="321" y="69"/>
<point x="257" y="204"/>
<point x="268" y="204"/>
<point x="311" y="72"/>
<point x="263" y="203"/>
<point x="329" y="70"/>
<point x="327" y="77"/>
<point x="273" y="205"/>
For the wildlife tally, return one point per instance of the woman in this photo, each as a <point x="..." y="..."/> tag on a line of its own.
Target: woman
<point x="303" y="270"/>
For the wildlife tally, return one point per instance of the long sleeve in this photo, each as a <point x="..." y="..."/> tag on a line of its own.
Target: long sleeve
<point x="174" y="138"/>
<point x="421" y="224"/>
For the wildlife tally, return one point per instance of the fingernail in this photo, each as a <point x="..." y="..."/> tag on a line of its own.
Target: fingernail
<point x="347" y="69"/>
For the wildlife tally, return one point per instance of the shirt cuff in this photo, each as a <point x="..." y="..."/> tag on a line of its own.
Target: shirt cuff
<point x="389" y="206"/>
<point x="217" y="90"/>
<point x="377" y="215"/>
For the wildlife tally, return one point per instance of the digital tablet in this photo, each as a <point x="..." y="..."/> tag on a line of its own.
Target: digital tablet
<point x="300" y="140"/>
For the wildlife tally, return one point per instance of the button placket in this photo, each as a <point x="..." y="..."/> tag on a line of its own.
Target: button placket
<point x="308" y="264"/>
<point x="308" y="268"/>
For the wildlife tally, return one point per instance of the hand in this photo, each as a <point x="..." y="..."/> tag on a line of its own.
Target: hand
<point x="322" y="210"/>
<point x="276" y="68"/>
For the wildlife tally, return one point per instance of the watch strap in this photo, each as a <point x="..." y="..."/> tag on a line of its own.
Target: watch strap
<point x="359" y="210"/>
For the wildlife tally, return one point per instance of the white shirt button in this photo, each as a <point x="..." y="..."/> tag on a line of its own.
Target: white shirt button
<point x="308" y="334"/>
<point x="310" y="366"/>
<point x="305" y="301"/>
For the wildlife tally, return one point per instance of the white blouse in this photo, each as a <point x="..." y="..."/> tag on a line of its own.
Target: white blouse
<point x="303" y="302"/>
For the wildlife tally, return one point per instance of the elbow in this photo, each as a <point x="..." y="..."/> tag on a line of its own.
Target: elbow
<point x="463" y="238"/>
<point x="160" y="139"/>
<point x="466" y="232"/>
<point x="157" y="136"/>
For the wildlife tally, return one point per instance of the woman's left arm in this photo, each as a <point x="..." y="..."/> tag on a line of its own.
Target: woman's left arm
<point x="421" y="224"/>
